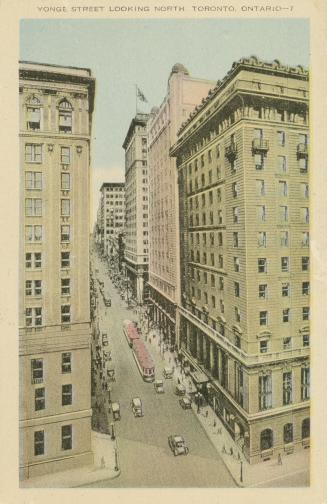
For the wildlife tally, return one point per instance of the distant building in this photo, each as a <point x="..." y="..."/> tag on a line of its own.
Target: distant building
<point x="243" y="175"/>
<point x="111" y="215"/>
<point x="136" y="206"/>
<point x="56" y="105"/>
<point x="183" y="93"/>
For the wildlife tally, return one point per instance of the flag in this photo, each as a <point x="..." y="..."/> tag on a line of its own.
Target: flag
<point x="140" y="95"/>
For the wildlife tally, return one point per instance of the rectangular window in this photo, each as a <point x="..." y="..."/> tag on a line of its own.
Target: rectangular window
<point x="286" y="315"/>
<point x="235" y="239"/>
<point x="33" y="153"/>
<point x="260" y="187"/>
<point x="28" y="260"/>
<point x="235" y="189"/>
<point x="28" y="288"/>
<point x="213" y="281"/>
<point x="65" y="155"/>
<point x="283" y="213"/>
<point x="305" y="215"/>
<point x="33" y="207"/>
<point x="265" y="392"/>
<point x="237" y="289"/>
<point x="306" y="313"/>
<point x="237" y="314"/>
<point x="264" y="346"/>
<point x="65" y="259"/>
<point x="258" y="161"/>
<point x="262" y="265"/>
<point x="66" y="437"/>
<point x="305" y="263"/>
<point x="262" y="239"/>
<point x="287" y="388"/>
<point x="284" y="264"/>
<point x="306" y="340"/>
<point x="263" y="291"/>
<point x="209" y="156"/>
<point x="65" y="233"/>
<point x="65" y="181"/>
<point x="33" y="118"/>
<point x="281" y="138"/>
<point x="33" y="180"/>
<point x="285" y="289"/>
<point x="39" y="442"/>
<point x="37" y="370"/>
<point x="236" y="212"/>
<point x="221" y="283"/>
<point x="284" y="242"/>
<point x="283" y="189"/>
<point x="305" y="239"/>
<point x="37" y="287"/>
<point x="287" y="343"/>
<point x="305" y="383"/>
<point x="220" y="217"/>
<point x="39" y="399"/>
<point x="282" y="167"/>
<point x="303" y="165"/>
<point x="263" y="318"/>
<point x="66" y="362"/>
<point x="67" y="395"/>
<point x="261" y="213"/>
<point x="305" y="288"/>
<point x="236" y="264"/>
<point x="37" y="260"/>
<point x="213" y="301"/>
<point x="65" y="207"/>
<point x="65" y="314"/>
<point x="222" y="306"/>
<point x="65" y="286"/>
<point x="33" y="317"/>
<point x="220" y="239"/>
<point x="304" y="190"/>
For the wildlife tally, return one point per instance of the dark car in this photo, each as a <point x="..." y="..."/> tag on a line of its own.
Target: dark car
<point x="185" y="402"/>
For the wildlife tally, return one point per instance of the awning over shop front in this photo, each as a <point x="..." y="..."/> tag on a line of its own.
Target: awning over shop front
<point x="199" y="377"/>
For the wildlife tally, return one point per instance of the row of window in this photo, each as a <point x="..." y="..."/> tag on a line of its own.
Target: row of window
<point x="265" y="388"/>
<point x="33" y="181"/>
<point x="66" y="440"/>
<point x="37" y="367"/>
<point x="66" y="397"/>
<point x="267" y="435"/>
<point x="33" y="260"/>
<point x="284" y="239"/>
<point x="33" y="316"/>
<point x="34" y="113"/>
<point x="34" y="287"/>
<point x="34" y="154"/>
<point x="262" y="261"/>
<point x="33" y="207"/>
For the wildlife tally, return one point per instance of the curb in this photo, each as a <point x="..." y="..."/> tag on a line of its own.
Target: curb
<point x="116" y="474"/>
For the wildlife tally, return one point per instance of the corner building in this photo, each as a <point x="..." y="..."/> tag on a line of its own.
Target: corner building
<point x="56" y="105"/>
<point x="183" y="93"/>
<point x="242" y="160"/>
<point x="137" y="207"/>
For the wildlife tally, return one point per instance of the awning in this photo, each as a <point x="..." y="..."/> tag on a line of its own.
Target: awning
<point x="199" y="377"/>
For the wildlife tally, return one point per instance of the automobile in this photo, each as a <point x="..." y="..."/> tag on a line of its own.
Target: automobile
<point x="158" y="386"/>
<point x="167" y="373"/>
<point x="177" y="445"/>
<point x="115" y="408"/>
<point x="185" y="402"/>
<point x="104" y="339"/>
<point x="180" y="390"/>
<point x="136" y="406"/>
<point x="107" y="302"/>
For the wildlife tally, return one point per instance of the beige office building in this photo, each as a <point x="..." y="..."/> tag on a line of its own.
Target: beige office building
<point x="56" y="105"/>
<point x="242" y="160"/>
<point x="136" y="207"/>
<point x="183" y="93"/>
<point x="111" y="215"/>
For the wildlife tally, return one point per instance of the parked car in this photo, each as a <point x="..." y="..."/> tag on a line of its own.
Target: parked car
<point x="107" y="302"/>
<point x="185" y="402"/>
<point x="177" y="445"/>
<point x="158" y="386"/>
<point x="180" y="390"/>
<point x="167" y="373"/>
<point x="136" y="406"/>
<point x="104" y="339"/>
<point x="107" y="355"/>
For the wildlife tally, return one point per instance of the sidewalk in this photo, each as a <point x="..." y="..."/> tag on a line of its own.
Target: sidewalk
<point x="229" y="451"/>
<point x="103" y="468"/>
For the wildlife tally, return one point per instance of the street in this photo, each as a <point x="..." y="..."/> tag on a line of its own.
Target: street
<point x="144" y="456"/>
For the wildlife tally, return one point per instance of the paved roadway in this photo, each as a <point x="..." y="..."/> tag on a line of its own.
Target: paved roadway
<point x="144" y="455"/>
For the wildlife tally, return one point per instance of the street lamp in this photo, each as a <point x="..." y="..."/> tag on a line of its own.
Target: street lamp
<point x="116" y="459"/>
<point x="113" y="436"/>
<point x="241" y="472"/>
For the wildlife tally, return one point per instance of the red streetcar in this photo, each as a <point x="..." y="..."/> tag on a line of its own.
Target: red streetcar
<point x="130" y="331"/>
<point x="143" y="360"/>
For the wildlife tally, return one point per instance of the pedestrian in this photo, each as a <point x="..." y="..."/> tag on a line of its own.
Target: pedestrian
<point x="178" y="381"/>
<point x="214" y="423"/>
<point x="280" y="459"/>
<point x="207" y="413"/>
<point x="231" y="451"/>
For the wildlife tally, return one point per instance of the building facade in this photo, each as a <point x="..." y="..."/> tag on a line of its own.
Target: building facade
<point x="136" y="207"/>
<point x="242" y="160"/>
<point x="56" y="105"/>
<point x="183" y="93"/>
<point x="112" y="215"/>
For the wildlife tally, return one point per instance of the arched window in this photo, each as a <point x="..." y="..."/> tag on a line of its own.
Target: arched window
<point x="306" y="428"/>
<point x="65" y="116"/>
<point x="288" y="433"/>
<point x="33" y="109"/>
<point x="266" y="439"/>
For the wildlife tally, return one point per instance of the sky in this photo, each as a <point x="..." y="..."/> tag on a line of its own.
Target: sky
<point x="122" y="53"/>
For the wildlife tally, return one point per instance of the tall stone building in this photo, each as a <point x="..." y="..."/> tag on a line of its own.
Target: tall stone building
<point x="56" y="105"/>
<point x="242" y="160"/>
<point x="136" y="207"/>
<point x="112" y="215"/>
<point x="183" y="93"/>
